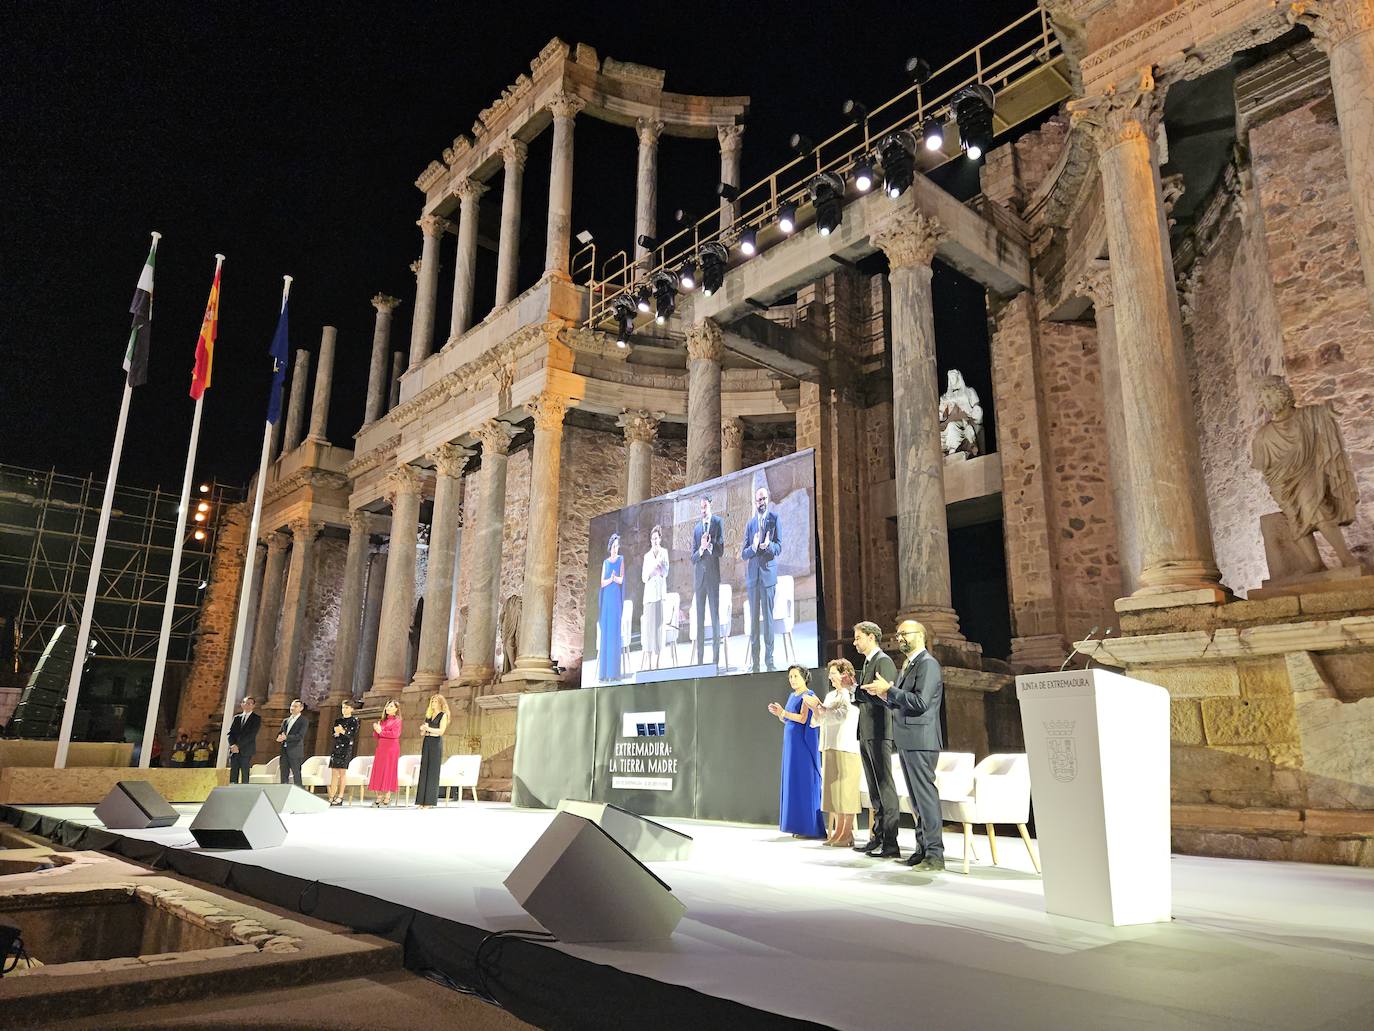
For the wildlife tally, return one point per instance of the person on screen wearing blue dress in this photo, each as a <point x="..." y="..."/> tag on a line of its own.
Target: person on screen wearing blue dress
<point x="799" y="804"/>
<point x="612" y="594"/>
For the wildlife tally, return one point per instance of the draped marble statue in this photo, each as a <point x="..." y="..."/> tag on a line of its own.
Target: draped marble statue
<point x="510" y="632"/>
<point x="961" y="418"/>
<point x="1302" y="458"/>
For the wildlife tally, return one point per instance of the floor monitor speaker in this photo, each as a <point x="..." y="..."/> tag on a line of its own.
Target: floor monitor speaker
<point x="647" y="841"/>
<point x="233" y="819"/>
<point x="285" y="798"/>
<point x="135" y="805"/>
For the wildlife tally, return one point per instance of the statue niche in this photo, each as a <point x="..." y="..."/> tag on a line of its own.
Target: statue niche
<point x="961" y="419"/>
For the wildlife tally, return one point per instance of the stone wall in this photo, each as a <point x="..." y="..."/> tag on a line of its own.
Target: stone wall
<point x="878" y="537"/>
<point x="322" y="619"/>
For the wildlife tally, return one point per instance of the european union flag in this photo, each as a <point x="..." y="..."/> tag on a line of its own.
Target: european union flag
<point x="281" y="352"/>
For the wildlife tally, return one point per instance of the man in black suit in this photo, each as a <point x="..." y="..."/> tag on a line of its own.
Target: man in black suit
<point x="708" y="544"/>
<point x="915" y="701"/>
<point x="292" y="740"/>
<point x="243" y="740"/>
<point x="875" y="746"/>
<point x="762" y="545"/>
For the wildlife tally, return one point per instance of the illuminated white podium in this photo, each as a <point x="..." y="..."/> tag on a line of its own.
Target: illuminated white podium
<point x="1098" y="745"/>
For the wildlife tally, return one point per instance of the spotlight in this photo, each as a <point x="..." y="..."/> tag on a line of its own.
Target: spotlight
<point x="205" y="488"/>
<point x="665" y="296"/>
<point x="919" y="70"/>
<point x="749" y="242"/>
<point x="199" y="535"/>
<point x="714" y="258"/>
<point x="585" y="237"/>
<point x="687" y="274"/>
<point x="899" y="169"/>
<point x="204" y="506"/>
<point x="624" y="311"/>
<point x="827" y="196"/>
<point x="649" y="243"/>
<point x="726" y="192"/>
<point x="200" y="517"/>
<point x="973" y="111"/>
<point x="642" y="296"/>
<point x="787" y="216"/>
<point x="933" y="133"/>
<point x="863" y="174"/>
<point x="801" y="145"/>
<point x="682" y="217"/>
<point x="855" y="112"/>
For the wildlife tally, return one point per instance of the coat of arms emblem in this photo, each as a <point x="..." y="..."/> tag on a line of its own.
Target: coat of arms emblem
<point x="1063" y="755"/>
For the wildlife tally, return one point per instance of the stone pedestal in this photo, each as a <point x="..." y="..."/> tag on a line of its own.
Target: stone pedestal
<point x="484" y="542"/>
<point x="508" y="255"/>
<point x="564" y="107"/>
<point x="426" y="289"/>
<point x="432" y="661"/>
<point x="398" y="599"/>
<point x="705" y="349"/>
<point x="376" y="370"/>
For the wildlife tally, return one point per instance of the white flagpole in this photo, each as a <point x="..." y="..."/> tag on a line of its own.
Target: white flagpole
<point x="164" y="640"/>
<point x="246" y="591"/>
<point x="83" y="633"/>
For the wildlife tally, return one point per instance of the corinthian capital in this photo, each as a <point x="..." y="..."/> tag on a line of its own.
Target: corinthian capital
<point x="731" y="137"/>
<point x="732" y="434"/>
<point x="639" y="426"/>
<point x="404" y="479"/>
<point x="276" y="542"/>
<point x="565" y="105"/>
<point x="1096" y="282"/>
<point x="547" y="409"/>
<point x="909" y="239"/>
<point x="450" y="459"/>
<point x="705" y="342"/>
<point x="513" y="154"/>
<point x="648" y="130"/>
<point x="1332" y="22"/>
<point x="1122" y="113"/>
<point x="433" y="225"/>
<point x="384" y="304"/>
<point x="358" y="522"/>
<point x="468" y="191"/>
<point x="495" y="436"/>
<point x="303" y="531"/>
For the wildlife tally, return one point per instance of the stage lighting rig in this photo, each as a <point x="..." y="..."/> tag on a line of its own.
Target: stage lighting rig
<point x="827" y="196"/>
<point x="727" y="192"/>
<point x="933" y="134"/>
<point x="642" y="296"/>
<point x="801" y="145"/>
<point x="787" y="216"/>
<point x="919" y="70"/>
<point x="649" y="243"/>
<point x="665" y="296"/>
<point x="973" y="111"/>
<point x="855" y="111"/>
<point x="687" y="274"/>
<point x="714" y="258"/>
<point x="749" y="242"/>
<point x="863" y="174"/>
<point x="624" y="310"/>
<point x="899" y="166"/>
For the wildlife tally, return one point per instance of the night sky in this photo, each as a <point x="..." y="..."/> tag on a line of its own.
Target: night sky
<point x="288" y="137"/>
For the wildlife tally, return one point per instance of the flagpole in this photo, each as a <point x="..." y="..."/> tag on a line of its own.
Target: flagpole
<point x="83" y="633"/>
<point x="246" y="591"/>
<point x="164" y="640"/>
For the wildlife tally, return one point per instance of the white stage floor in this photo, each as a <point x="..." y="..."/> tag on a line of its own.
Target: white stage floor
<point x="829" y="936"/>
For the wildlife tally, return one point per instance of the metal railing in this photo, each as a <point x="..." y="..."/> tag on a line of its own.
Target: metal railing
<point x="1000" y="61"/>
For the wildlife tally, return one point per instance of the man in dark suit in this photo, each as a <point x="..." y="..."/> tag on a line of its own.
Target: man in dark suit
<point x="762" y="545"/>
<point x="243" y="740"/>
<point x="875" y="746"/>
<point x="915" y="699"/>
<point x="292" y="740"/>
<point x="708" y="544"/>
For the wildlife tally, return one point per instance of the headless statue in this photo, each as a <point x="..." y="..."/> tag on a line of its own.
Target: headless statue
<point x="961" y="417"/>
<point x="510" y="632"/>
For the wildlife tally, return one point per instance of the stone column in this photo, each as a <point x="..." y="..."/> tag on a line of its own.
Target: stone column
<point x="324" y="386"/>
<point x="295" y="417"/>
<point x="259" y="572"/>
<point x="372" y="619"/>
<point x="426" y="289"/>
<point x="286" y="666"/>
<point x="705" y="349"/>
<point x="541" y="544"/>
<point x="640" y="430"/>
<point x="431" y="667"/>
<point x="731" y="142"/>
<point x="513" y="155"/>
<point x="376" y="370"/>
<point x="269" y="614"/>
<point x="731" y="445"/>
<point x="398" y="368"/>
<point x="646" y="189"/>
<point x="350" y="608"/>
<point x="389" y="675"/>
<point x="564" y="107"/>
<point x="484" y="544"/>
<point x="1097" y="284"/>
<point x="1165" y="464"/>
<point x="469" y="193"/>
<point x="1344" y="31"/>
<point x="909" y="239"/>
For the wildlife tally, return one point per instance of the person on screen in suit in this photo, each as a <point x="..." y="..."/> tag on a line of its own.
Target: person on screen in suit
<point x="708" y="545"/>
<point x="915" y="699"/>
<point x="875" y="745"/>
<point x="292" y="741"/>
<point x="762" y="546"/>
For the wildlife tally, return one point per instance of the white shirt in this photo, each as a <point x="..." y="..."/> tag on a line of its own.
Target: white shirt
<point x="655" y="583"/>
<point x="290" y="720"/>
<point x="839" y="720"/>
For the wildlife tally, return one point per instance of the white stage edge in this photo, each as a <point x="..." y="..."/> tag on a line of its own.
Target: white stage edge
<point x="826" y="935"/>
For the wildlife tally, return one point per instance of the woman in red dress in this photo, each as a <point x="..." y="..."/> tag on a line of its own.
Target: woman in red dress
<point x="387" y="731"/>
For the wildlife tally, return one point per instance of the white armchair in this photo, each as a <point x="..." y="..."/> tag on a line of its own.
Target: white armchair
<point x="408" y="775"/>
<point x="953" y="780"/>
<point x="460" y="771"/>
<point x="266" y="773"/>
<point x="359" y="772"/>
<point x="315" y="773"/>
<point x="1000" y="793"/>
<point x="784" y="618"/>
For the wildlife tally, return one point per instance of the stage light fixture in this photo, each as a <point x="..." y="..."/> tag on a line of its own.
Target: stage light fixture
<point x="200" y="517"/>
<point x="683" y="217"/>
<point x="749" y="242"/>
<point x="855" y="111"/>
<point x="642" y="296"/>
<point x="827" y="196"/>
<point x="624" y="310"/>
<point x="649" y="243"/>
<point x="727" y="192"/>
<point x="919" y="70"/>
<point x="787" y="216"/>
<point x="204" y="506"/>
<point x="199" y="535"/>
<point x="933" y="133"/>
<point x="801" y="145"/>
<point x="585" y="237"/>
<point x="863" y="174"/>
<point x="973" y="111"/>
<point x="687" y="274"/>
<point x="205" y="488"/>
<point x="665" y="296"/>
<point x="899" y="167"/>
<point x="714" y="258"/>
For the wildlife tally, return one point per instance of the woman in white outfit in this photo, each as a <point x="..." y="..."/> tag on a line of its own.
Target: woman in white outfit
<point x="655" y="577"/>
<point x="838" y="717"/>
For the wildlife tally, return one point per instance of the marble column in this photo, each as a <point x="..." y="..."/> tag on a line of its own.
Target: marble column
<point x="646" y="189"/>
<point x="731" y="139"/>
<point x="426" y="289"/>
<point x="909" y="239"/>
<point x="372" y="619"/>
<point x="1165" y="463"/>
<point x="641" y="429"/>
<point x="324" y="386"/>
<point x="705" y="349"/>
<point x="513" y="156"/>
<point x="269" y="614"/>
<point x="259" y="572"/>
<point x="469" y="193"/>
<point x="286" y="665"/>
<point x="390" y="673"/>
<point x="484" y="548"/>
<point x="376" y="370"/>
<point x="431" y="667"/>
<point x="350" y="608"/>
<point x="541" y="543"/>
<point x="1344" y="31"/>
<point x="1097" y="284"/>
<point x="564" y="107"/>
<point x="398" y="368"/>
<point x="731" y="445"/>
<point x="295" y="416"/>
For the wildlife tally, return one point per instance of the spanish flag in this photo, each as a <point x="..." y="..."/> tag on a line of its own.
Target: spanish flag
<point x="205" y="346"/>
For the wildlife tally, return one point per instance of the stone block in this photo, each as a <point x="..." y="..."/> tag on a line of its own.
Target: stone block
<point x="1268" y="610"/>
<point x="1228" y="818"/>
<point x="1340" y="822"/>
<point x="1230" y="846"/>
<point x="1220" y="680"/>
<point x="1336" y="753"/>
<point x="1211" y="769"/>
<point x="1172" y="600"/>
<point x="1185" y="722"/>
<point x="1231" y="721"/>
<point x="1262" y="679"/>
<point x="1354" y="600"/>
<point x="1338" y="851"/>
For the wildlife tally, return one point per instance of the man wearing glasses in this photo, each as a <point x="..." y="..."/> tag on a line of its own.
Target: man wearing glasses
<point x="915" y="699"/>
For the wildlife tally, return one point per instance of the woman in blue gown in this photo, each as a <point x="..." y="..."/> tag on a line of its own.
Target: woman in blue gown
<point x="612" y="594"/>
<point x="800" y="800"/>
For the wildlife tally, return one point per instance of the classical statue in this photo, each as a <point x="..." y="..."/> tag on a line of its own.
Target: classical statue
<point x="961" y="418"/>
<point x="510" y="633"/>
<point x="1302" y="458"/>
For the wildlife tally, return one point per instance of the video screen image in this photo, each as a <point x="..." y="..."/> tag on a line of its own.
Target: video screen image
<point x="718" y="578"/>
